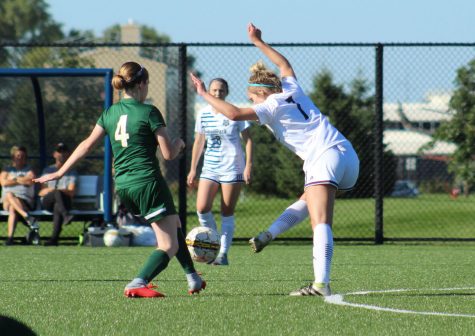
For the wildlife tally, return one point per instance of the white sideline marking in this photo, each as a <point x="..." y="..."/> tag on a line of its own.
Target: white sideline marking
<point x="338" y="299"/>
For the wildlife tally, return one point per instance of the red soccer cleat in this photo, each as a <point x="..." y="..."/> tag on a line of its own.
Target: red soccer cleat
<point x="142" y="292"/>
<point x="192" y="291"/>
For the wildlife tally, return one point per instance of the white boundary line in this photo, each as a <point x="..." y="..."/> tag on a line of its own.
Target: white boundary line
<point x="338" y="299"/>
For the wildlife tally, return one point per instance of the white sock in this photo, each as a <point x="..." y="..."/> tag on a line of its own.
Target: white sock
<point x="136" y="283"/>
<point x="227" y="228"/>
<point x="207" y="219"/>
<point x="293" y="215"/>
<point x="322" y="252"/>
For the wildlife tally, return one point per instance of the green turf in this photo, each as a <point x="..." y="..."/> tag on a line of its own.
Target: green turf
<point x="78" y="291"/>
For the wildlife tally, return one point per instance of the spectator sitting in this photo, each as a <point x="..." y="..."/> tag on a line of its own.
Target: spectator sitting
<point x="56" y="196"/>
<point x="18" y="190"/>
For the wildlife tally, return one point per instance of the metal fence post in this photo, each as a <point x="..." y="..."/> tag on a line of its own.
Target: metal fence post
<point x="378" y="148"/>
<point x="108" y="189"/>
<point x="182" y="101"/>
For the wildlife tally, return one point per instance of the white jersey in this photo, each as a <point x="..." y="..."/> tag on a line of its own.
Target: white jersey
<point x="224" y="153"/>
<point x="297" y="122"/>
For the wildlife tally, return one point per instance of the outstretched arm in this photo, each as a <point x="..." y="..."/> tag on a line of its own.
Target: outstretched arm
<point x="230" y="111"/>
<point x="275" y="57"/>
<point x="84" y="147"/>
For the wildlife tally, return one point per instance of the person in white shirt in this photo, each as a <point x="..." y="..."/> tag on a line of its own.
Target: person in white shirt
<point x="330" y="162"/>
<point x="224" y="166"/>
<point x="18" y="191"/>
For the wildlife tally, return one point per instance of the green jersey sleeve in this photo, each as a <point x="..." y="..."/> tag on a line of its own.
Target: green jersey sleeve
<point x="156" y="119"/>
<point x="100" y="121"/>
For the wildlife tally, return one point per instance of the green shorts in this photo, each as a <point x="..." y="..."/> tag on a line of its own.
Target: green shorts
<point x="153" y="200"/>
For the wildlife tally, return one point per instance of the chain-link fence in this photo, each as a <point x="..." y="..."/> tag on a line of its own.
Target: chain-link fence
<point x="387" y="99"/>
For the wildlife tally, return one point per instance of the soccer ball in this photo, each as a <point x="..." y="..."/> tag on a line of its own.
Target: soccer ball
<point x="112" y="238"/>
<point x="203" y="244"/>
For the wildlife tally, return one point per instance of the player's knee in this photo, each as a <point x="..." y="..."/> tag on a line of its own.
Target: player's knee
<point x="169" y="248"/>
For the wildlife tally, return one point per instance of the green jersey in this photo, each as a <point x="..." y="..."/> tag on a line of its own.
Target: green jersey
<point x="131" y="126"/>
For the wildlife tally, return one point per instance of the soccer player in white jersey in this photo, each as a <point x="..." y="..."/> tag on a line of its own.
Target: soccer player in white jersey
<point x="224" y="165"/>
<point x="330" y="162"/>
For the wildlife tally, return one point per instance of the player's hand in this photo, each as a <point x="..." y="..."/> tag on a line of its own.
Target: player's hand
<point x="247" y="175"/>
<point x="47" y="177"/>
<point x="198" y="83"/>
<point x="191" y="178"/>
<point x="180" y="145"/>
<point x="255" y="34"/>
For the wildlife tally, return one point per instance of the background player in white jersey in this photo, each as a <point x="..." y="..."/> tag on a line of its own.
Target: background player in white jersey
<point x="224" y="165"/>
<point x="330" y="162"/>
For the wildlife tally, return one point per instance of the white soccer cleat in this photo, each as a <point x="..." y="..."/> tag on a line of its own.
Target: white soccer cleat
<point x="260" y="241"/>
<point x="312" y="290"/>
<point x="221" y="260"/>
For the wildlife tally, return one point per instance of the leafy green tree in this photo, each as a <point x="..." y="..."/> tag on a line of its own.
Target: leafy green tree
<point x="276" y="170"/>
<point x="25" y="21"/>
<point x="460" y="130"/>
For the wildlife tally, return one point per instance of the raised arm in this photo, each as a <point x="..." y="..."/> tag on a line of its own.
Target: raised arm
<point x="274" y="56"/>
<point x="229" y="110"/>
<point x="84" y="147"/>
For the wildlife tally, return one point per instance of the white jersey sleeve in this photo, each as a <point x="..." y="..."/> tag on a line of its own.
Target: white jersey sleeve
<point x="296" y="121"/>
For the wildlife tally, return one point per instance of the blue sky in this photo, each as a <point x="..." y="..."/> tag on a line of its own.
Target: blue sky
<point x="283" y="21"/>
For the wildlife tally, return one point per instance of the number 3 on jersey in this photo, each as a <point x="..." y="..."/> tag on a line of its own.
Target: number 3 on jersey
<point x="121" y="131"/>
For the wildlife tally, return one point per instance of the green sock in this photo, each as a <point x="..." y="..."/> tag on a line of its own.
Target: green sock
<point x="183" y="255"/>
<point x="156" y="263"/>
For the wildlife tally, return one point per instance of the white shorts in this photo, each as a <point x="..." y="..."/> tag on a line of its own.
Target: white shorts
<point x="338" y="166"/>
<point x="222" y="178"/>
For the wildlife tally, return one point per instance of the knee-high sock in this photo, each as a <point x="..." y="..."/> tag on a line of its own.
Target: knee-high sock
<point x="155" y="263"/>
<point x="322" y="252"/>
<point x="227" y="233"/>
<point x="207" y="219"/>
<point x="293" y="215"/>
<point x="183" y="255"/>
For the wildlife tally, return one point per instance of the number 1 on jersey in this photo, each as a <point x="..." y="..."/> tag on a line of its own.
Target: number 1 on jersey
<point x="121" y="131"/>
<point x="292" y="101"/>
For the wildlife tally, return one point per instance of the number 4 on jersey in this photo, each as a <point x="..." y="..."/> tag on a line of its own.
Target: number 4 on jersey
<point x="121" y="131"/>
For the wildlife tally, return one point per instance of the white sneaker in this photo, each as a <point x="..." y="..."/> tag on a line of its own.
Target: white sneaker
<point x="312" y="290"/>
<point x="221" y="259"/>
<point x="260" y="241"/>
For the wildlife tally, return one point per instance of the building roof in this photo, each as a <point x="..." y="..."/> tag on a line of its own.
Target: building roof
<point x="434" y="109"/>
<point x="408" y="143"/>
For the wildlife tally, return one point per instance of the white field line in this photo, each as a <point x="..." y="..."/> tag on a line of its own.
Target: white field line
<point x="338" y="299"/>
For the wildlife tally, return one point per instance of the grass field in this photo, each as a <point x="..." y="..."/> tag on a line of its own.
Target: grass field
<point x="71" y="290"/>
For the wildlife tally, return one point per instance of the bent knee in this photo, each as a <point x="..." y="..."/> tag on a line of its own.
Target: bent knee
<point x="170" y="249"/>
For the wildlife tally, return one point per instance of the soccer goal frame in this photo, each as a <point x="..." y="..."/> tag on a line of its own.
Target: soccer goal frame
<point x="34" y="74"/>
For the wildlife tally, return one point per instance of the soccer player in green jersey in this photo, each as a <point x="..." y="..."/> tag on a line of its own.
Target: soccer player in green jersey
<point x="135" y="130"/>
